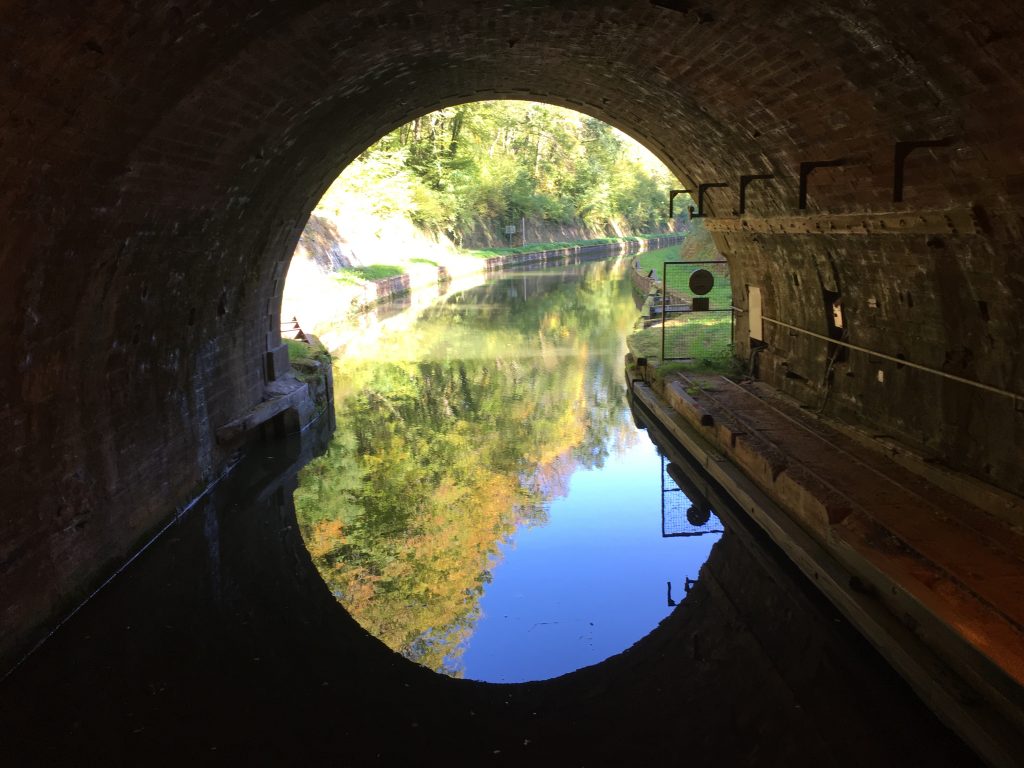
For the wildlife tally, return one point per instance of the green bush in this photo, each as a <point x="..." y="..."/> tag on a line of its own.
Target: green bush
<point x="368" y="273"/>
<point x="479" y="166"/>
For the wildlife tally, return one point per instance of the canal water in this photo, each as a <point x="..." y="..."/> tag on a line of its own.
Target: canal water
<point x="488" y="507"/>
<point x="482" y="470"/>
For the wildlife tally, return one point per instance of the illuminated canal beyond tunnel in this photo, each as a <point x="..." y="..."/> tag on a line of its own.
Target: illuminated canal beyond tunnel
<point x="488" y="507"/>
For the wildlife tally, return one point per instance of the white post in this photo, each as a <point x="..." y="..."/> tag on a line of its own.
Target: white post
<point x="754" y="312"/>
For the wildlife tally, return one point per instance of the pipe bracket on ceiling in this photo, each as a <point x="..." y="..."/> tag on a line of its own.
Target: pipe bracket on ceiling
<point x="805" y="171"/>
<point x="901" y="151"/>
<point x="672" y="199"/>
<point x="701" y="189"/>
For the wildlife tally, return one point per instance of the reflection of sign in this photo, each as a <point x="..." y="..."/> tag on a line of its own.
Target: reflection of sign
<point x="510" y="229"/>
<point x="702" y="282"/>
<point x="685" y="511"/>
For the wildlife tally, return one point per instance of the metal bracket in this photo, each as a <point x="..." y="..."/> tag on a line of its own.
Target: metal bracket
<point x="672" y="199"/>
<point x="901" y="151"/>
<point x="701" y="189"/>
<point x="745" y="182"/>
<point x="805" y="171"/>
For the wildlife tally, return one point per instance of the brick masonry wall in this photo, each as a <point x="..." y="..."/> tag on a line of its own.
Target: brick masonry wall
<point x="902" y="298"/>
<point x="157" y="166"/>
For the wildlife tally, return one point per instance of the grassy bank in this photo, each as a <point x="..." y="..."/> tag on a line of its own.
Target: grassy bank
<point x="484" y="253"/>
<point x="305" y="357"/>
<point x="405" y="265"/>
<point x="703" y="338"/>
<point x="371" y="272"/>
<point x="698" y="246"/>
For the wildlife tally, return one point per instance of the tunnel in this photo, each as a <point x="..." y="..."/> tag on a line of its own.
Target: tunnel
<point x="159" y="161"/>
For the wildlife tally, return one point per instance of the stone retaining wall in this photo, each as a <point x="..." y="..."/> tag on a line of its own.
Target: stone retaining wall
<point x="629" y="247"/>
<point x="390" y="287"/>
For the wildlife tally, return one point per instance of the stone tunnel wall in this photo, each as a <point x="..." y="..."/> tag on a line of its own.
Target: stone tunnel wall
<point x="929" y="300"/>
<point x="158" y="161"/>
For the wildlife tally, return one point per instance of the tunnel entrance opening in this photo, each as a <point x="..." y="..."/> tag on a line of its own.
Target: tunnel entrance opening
<point x="492" y="523"/>
<point x="465" y="190"/>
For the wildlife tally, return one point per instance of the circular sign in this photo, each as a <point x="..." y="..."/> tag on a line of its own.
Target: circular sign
<point x="698" y="516"/>
<point x="701" y="282"/>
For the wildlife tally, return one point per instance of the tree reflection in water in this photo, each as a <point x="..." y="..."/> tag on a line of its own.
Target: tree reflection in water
<point x="455" y="433"/>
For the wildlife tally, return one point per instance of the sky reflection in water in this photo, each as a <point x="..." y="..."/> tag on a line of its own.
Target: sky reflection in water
<point x="487" y="507"/>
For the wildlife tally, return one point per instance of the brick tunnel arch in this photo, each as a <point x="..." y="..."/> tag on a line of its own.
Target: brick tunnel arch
<point x="159" y="164"/>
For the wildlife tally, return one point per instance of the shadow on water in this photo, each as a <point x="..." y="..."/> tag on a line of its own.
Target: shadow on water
<point x="223" y="644"/>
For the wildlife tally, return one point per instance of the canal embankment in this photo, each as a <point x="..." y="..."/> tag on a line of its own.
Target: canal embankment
<point x="919" y="564"/>
<point x="330" y="279"/>
<point x="294" y="400"/>
<point x="387" y="288"/>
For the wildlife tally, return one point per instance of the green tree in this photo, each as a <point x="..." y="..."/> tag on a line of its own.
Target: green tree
<point x="463" y="168"/>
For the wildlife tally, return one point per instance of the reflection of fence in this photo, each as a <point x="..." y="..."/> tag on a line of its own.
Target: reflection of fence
<point x="696" y="310"/>
<point x="684" y="512"/>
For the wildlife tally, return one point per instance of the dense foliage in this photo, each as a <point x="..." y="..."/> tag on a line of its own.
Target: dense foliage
<point x="484" y="165"/>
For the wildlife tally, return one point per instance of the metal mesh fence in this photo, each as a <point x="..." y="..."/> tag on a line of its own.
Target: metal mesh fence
<point x="682" y="514"/>
<point x="696" y="310"/>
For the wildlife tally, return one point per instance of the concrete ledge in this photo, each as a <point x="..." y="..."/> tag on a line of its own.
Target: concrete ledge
<point x="387" y="288"/>
<point x="681" y="400"/>
<point x="994" y="501"/>
<point x="976" y="698"/>
<point x="954" y="221"/>
<point x="279" y="396"/>
<point x="816" y="505"/>
<point x="934" y="557"/>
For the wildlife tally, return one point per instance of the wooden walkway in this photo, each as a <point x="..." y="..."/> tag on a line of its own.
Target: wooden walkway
<point x="948" y="569"/>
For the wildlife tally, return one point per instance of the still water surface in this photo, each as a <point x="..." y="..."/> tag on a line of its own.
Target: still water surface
<point x="487" y="507"/>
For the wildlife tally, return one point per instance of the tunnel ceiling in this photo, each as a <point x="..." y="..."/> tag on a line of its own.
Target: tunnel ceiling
<point x="158" y="161"/>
